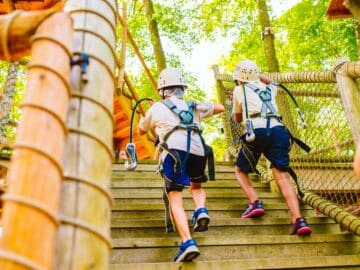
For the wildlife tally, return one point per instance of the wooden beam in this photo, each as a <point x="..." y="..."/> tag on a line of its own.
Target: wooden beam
<point x="121" y="81"/>
<point x="138" y="54"/>
<point x="18" y="29"/>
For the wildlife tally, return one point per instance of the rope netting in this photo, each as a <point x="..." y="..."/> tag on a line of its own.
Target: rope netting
<point x="327" y="169"/>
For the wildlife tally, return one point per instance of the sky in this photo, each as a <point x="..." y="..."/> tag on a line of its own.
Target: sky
<point x="207" y="53"/>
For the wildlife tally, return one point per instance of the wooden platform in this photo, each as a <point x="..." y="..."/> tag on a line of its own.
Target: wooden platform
<point x="33" y="5"/>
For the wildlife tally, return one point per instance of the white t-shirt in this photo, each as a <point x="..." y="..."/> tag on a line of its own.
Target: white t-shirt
<point x="160" y="117"/>
<point x="254" y="104"/>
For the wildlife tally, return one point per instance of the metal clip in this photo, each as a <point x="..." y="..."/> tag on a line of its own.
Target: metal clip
<point x="82" y="60"/>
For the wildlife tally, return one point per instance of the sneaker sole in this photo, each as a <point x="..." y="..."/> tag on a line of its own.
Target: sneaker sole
<point x="202" y="223"/>
<point x="255" y="213"/>
<point x="303" y="231"/>
<point x="189" y="254"/>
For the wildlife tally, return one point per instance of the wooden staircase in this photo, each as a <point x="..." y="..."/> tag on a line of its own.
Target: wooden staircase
<point x="140" y="241"/>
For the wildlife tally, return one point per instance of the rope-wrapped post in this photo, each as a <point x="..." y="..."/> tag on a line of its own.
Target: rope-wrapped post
<point x="30" y="218"/>
<point x="346" y="72"/>
<point x="334" y="212"/>
<point x="220" y="89"/>
<point x="84" y="236"/>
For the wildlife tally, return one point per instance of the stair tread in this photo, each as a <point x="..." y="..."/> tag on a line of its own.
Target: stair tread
<point x="138" y="206"/>
<point x="260" y="263"/>
<point x="158" y="194"/>
<point x="174" y="241"/>
<point x="145" y="223"/>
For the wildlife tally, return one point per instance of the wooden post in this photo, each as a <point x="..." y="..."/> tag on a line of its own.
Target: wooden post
<point x="34" y="178"/>
<point x="349" y="95"/>
<point x="138" y="54"/>
<point x="84" y="235"/>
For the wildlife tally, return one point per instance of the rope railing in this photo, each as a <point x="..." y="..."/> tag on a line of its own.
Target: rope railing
<point x="326" y="173"/>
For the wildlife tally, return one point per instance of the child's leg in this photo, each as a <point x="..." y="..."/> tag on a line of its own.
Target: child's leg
<point x="245" y="184"/>
<point x="198" y="194"/>
<point x="283" y="180"/>
<point x="179" y="215"/>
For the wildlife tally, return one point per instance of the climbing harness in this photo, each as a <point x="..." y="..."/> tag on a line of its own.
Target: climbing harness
<point x="130" y="147"/>
<point x="268" y="112"/>
<point x="187" y="122"/>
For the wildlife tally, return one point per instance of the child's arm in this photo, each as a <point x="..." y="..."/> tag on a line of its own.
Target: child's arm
<point x="218" y="108"/>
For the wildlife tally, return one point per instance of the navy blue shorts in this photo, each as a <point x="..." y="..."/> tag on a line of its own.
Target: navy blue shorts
<point x="194" y="171"/>
<point x="275" y="146"/>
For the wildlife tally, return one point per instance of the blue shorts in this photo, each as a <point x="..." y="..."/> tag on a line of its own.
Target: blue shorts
<point x="193" y="171"/>
<point x="275" y="146"/>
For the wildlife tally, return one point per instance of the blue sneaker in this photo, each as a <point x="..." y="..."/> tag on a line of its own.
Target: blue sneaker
<point x="201" y="220"/>
<point x="188" y="251"/>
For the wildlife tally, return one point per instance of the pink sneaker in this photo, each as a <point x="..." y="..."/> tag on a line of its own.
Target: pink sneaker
<point x="255" y="209"/>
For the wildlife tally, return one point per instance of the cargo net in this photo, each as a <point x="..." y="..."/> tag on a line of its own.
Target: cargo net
<point x="328" y="169"/>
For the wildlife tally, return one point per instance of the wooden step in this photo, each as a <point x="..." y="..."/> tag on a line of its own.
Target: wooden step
<point x="117" y="175"/>
<point x="229" y="185"/>
<point x="131" y="250"/>
<point x="310" y="262"/>
<point x="224" y="210"/>
<point x="220" y="226"/>
<point x="151" y="166"/>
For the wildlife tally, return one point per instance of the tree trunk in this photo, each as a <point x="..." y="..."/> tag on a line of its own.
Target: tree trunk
<point x="357" y="33"/>
<point x="268" y="37"/>
<point x="6" y="100"/>
<point x="354" y="7"/>
<point x="272" y="62"/>
<point x="155" y="37"/>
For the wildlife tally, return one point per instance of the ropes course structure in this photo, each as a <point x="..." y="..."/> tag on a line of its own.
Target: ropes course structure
<point x="331" y="99"/>
<point x="78" y="108"/>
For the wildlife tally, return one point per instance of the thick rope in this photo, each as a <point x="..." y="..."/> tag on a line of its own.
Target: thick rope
<point x="97" y="14"/>
<point x="49" y="111"/>
<point x="94" y="138"/>
<point x="76" y="222"/>
<point x="93" y="184"/>
<point x="103" y="63"/>
<point x="31" y="203"/>
<point x="83" y="30"/>
<point x="93" y="100"/>
<point x="21" y="260"/>
<point x="55" y="72"/>
<point x="41" y="152"/>
<point x="51" y="39"/>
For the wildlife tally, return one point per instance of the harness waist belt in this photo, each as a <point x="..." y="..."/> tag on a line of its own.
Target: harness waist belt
<point x="257" y="115"/>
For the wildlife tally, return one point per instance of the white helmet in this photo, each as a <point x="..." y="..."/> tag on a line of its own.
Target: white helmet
<point x="171" y="77"/>
<point x="246" y="71"/>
